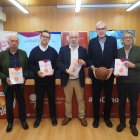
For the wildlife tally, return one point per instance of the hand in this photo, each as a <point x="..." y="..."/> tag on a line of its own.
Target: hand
<point x="117" y="76"/>
<point x="8" y="81"/>
<point x="40" y="74"/>
<point x="93" y="71"/>
<point x="68" y="72"/>
<point x="129" y="64"/>
<point x="111" y="71"/>
<point x="81" y="62"/>
<point x="51" y="73"/>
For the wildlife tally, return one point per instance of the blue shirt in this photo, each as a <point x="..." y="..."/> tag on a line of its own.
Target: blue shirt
<point x="102" y="42"/>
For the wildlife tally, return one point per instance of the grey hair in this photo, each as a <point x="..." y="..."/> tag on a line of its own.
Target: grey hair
<point x="100" y="23"/>
<point x="127" y="32"/>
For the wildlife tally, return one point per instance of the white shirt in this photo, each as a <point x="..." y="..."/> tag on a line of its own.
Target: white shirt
<point x="127" y="52"/>
<point x="74" y="57"/>
<point x="42" y="48"/>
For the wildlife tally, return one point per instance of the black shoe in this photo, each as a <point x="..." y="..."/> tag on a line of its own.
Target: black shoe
<point x="134" y="130"/>
<point x="24" y="125"/>
<point x="9" y="127"/>
<point x="120" y="127"/>
<point x="54" y="121"/>
<point x="36" y="123"/>
<point x="66" y="121"/>
<point x="95" y="123"/>
<point x="108" y="123"/>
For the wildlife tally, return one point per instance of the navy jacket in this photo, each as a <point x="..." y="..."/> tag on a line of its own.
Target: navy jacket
<point x="63" y="63"/>
<point x="98" y="58"/>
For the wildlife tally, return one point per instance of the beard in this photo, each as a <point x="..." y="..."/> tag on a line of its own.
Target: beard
<point x="74" y="44"/>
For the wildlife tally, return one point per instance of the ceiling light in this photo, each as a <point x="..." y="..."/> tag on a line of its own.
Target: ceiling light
<point x="77" y="5"/>
<point x="133" y="6"/>
<point x="18" y="5"/>
<point x="63" y="6"/>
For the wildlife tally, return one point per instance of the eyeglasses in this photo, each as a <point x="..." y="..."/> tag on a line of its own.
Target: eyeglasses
<point x="16" y="41"/>
<point x="127" y="37"/>
<point x="45" y="37"/>
<point x="100" y="29"/>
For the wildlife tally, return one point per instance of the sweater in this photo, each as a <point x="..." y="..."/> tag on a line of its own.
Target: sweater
<point x="37" y="55"/>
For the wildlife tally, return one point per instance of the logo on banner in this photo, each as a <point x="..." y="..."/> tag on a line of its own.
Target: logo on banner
<point x="3" y="104"/>
<point x="102" y="100"/>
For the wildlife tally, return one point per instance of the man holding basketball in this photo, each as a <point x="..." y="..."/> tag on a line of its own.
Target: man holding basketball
<point x="102" y="51"/>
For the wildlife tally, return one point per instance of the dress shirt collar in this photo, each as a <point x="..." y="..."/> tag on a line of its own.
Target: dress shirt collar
<point x="42" y="48"/>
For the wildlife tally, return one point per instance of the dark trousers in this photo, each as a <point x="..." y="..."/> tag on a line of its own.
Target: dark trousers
<point x="131" y="91"/>
<point x="9" y="98"/>
<point x="97" y="86"/>
<point x="40" y="93"/>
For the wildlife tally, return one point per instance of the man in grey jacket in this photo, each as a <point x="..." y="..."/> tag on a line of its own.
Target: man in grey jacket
<point x="129" y="85"/>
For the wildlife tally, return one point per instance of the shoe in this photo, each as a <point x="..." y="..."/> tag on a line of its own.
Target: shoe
<point x="108" y="123"/>
<point x="95" y="123"/>
<point x="66" y="121"/>
<point x="36" y="123"/>
<point x="83" y="122"/>
<point x="9" y="127"/>
<point x="120" y="127"/>
<point x="24" y="125"/>
<point x="134" y="130"/>
<point x="54" y="121"/>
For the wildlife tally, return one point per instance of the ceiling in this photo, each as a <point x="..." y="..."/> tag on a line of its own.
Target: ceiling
<point x="6" y="3"/>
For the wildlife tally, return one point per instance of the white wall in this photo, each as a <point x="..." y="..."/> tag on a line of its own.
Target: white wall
<point x="1" y="23"/>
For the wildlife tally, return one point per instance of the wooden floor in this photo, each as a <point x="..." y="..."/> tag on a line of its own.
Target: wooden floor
<point x="72" y="131"/>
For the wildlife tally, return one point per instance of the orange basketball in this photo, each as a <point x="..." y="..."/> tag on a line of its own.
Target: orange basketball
<point x="101" y="73"/>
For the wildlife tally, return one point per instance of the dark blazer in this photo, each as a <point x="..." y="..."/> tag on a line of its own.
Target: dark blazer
<point x="133" y="73"/>
<point x="98" y="58"/>
<point x="63" y="63"/>
<point x="5" y="64"/>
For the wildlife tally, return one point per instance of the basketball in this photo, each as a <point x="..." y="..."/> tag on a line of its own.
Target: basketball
<point x="101" y="73"/>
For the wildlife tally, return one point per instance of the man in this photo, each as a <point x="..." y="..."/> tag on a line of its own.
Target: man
<point x="102" y="52"/>
<point x="128" y="86"/>
<point x="13" y="58"/>
<point x="44" y="83"/>
<point x="68" y="55"/>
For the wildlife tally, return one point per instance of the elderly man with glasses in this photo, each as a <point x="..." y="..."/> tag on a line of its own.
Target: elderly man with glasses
<point x="129" y="86"/>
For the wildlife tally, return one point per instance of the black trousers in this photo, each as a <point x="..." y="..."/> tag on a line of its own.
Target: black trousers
<point x="40" y="93"/>
<point x="131" y="91"/>
<point x="97" y="86"/>
<point x="18" y="90"/>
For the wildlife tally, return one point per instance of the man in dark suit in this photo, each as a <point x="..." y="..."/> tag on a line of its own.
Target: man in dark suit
<point x="69" y="56"/>
<point x="102" y="51"/>
<point x="13" y="58"/>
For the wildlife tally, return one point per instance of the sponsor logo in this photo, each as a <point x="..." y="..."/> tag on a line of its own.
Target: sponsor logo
<point x="3" y="104"/>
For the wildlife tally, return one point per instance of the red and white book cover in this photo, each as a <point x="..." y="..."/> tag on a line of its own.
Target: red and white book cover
<point x="46" y="67"/>
<point x="120" y="69"/>
<point x="16" y="75"/>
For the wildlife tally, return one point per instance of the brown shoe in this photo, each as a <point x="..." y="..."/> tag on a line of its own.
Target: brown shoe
<point x="83" y="122"/>
<point x="66" y="121"/>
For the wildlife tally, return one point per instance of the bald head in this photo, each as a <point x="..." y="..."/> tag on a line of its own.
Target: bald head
<point x="13" y="42"/>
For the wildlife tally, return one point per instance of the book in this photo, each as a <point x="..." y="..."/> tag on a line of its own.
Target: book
<point x="120" y="69"/>
<point x="74" y="68"/>
<point x="16" y="75"/>
<point x="46" y="67"/>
